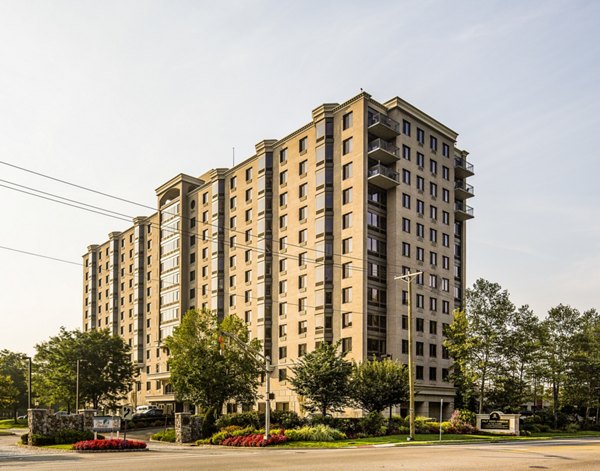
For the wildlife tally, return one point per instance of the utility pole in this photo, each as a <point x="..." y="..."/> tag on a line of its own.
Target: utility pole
<point x="267" y="370"/>
<point x="408" y="278"/>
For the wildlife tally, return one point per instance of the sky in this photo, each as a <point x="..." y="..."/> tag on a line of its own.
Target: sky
<point x="121" y="96"/>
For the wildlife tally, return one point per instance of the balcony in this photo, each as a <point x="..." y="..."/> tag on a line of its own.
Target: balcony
<point x="462" y="211"/>
<point x="383" y="151"/>
<point x="382" y="126"/>
<point x="463" y="190"/>
<point x="383" y="177"/>
<point x="462" y="168"/>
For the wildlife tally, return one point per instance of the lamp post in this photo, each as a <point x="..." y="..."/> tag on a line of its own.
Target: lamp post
<point x="408" y="278"/>
<point x="77" y="390"/>
<point x="29" y="385"/>
<point x="267" y="370"/>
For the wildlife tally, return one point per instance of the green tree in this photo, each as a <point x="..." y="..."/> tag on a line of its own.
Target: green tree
<point x="15" y="366"/>
<point x="490" y="311"/>
<point x="558" y="335"/>
<point x="322" y="378"/>
<point x="378" y="384"/>
<point x="105" y="374"/>
<point x="462" y="346"/>
<point x="8" y="392"/>
<point x="209" y="369"/>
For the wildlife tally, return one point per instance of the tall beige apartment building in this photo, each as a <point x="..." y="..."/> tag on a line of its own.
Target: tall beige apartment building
<point x="302" y="241"/>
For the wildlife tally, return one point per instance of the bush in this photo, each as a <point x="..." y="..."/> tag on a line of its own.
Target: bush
<point x="286" y="419"/>
<point x="373" y="424"/>
<point x="110" y="444"/>
<point x="255" y="440"/>
<point x="165" y="436"/>
<point x="572" y="428"/>
<point x="245" y="419"/>
<point x="318" y="433"/>
<point x="72" y="436"/>
<point x="463" y="421"/>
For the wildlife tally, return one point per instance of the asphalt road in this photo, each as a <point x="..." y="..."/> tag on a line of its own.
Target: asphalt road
<point x="581" y="454"/>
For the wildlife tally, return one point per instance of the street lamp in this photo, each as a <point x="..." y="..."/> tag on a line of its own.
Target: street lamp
<point x="29" y="385"/>
<point x="267" y="370"/>
<point x="77" y="390"/>
<point x="408" y="278"/>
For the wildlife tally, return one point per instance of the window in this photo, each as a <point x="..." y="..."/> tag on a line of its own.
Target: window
<point x="282" y="330"/>
<point x="347" y="344"/>
<point x="303" y="190"/>
<point x="302" y="327"/>
<point x="347" y="146"/>
<point x="406" y="249"/>
<point x="419" y="372"/>
<point x="445" y="173"/>
<point x="420" y="230"/>
<point x="347" y="295"/>
<point x="406" y="225"/>
<point x="248" y="276"/>
<point x="433" y="212"/>
<point x="283" y="155"/>
<point x="283" y="199"/>
<point x="248" y="215"/>
<point x="445" y="374"/>
<point x="248" y="255"/>
<point x="433" y="304"/>
<point x="433" y="190"/>
<point x="420" y="184"/>
<point x="420" y="349"/>
<point x="433" y="166"/>
<point x="302" y="282"/>
<point x="232" y="221"/>
<point x="347" y="120"/>
<point x="205" y="198"/>
<point x="301" y="305"/>
<point x="445" y="150"/>
<point x="302" y="213"/>
<point x="420" y="324"/>
<point x="445" y="240"/>
<point x="232" y="281"/>
<point x="283" y="177"/>
<point x="446" y="218"/>
<point x="283" y="287"/>
<point x="420" y="136"/>
<point x="406" y="177"/>
<point x="445" y="262"/>
<point x="445" y="307"/>
<point x="346" y="269"/>
<point x="405" y="201"/>
<point x="346" y="220"/>
<point x="283" y="243"/>
<point x="233" y="183"/>
<point x="420" y="301"/>
<point x="405" y="322"/>
<point x="433" y="281"/>
<point x="248" y="235"/>
<point x="445" y="195"/>
<point x="433" y="327"/>
<point x="346" y="319"/>
<point x="445" y="353"/>
<point x="420" y="207"/>
<point x="405" y="127"/>
<point x="302" y="259"/>
<point x="282" y="352"/>
<point x="347" y="171"/>
<point x="347" y="245"/>
<point x="249" y="174"/>
<point x="433" y="236"/>
<point x="302" y="236"/>
<point x="248" y="194"/>
<point x="347" y="196"/>
<point x="433" y="143"/>
<point x="302" y="166"/>
<point x="283" y="221"/>
<point x="303" y="144"/>
<point x="432" y="373"/>
<point x="301" y="349"/>
<point x="282" y="309"/>
<point x="420" y="160"/>
<point x="283" y="264"/>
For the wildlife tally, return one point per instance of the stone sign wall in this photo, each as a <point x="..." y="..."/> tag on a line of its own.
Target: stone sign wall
<point x="44" y="422"/>
<point x="187" y="427"/>
<point x="499" y="423"/>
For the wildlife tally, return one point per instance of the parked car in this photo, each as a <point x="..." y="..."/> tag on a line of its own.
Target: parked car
<point x="148" y="413"/>
<point x="22" y="417"/>
<point x="62" y="412"/>
<point x="144" y="408"/>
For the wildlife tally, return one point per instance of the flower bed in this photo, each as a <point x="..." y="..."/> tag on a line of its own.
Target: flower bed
<point x="255" y="440"/>
<point x="109" y="444"/>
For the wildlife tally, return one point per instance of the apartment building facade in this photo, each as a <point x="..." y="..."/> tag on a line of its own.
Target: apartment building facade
<point x="303" y="241"/>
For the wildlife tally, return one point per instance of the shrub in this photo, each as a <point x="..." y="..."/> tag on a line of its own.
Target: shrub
<point x="373" y="424"/>
<point x="165" y="436"/>
<point x="72" y="436"/>
<point x="110" y="444"/>
<point x="42" y="440"/>
<point x="286" y="419"/>
<point x="255" y="440"/>
<point x="318" y="433"/>
<point x="572" y="428"/>
<point x="463" y="421"/>
<point x="245" y="419"/>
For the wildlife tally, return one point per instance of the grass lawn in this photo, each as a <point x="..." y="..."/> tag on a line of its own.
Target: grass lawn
<point x="10" y="423"/>
<point x="426" y="439"/>
<point x="59" y="447"/>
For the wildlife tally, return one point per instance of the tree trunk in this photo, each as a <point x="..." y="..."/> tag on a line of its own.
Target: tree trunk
<point x="555" y="402"/>
<point x="482" y="389"/>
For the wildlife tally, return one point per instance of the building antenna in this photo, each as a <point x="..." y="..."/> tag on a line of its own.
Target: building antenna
<point x="233" y="156"/>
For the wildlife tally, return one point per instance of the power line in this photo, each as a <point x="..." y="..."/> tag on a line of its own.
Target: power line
<point x="40" y="256"/>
